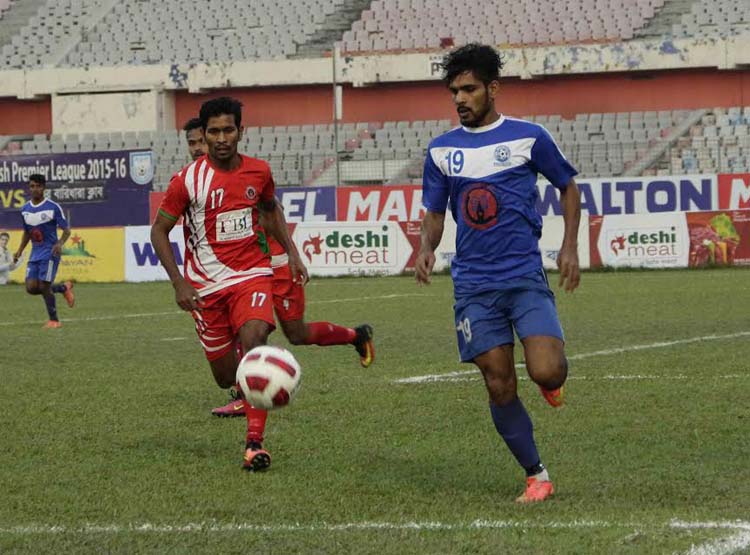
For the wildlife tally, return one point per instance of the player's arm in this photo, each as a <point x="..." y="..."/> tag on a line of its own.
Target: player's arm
<point x="274" y="223"/>
<point x="432" y="232"/>
<point x="186" y="297"/>
<point x="25" y="238"/>
<point x="435" y="193"/>
<point x="548" y="160"/>
<point x="175" y="203"/>
<point x="57" y="248"/>
<point x="567" y="259"/>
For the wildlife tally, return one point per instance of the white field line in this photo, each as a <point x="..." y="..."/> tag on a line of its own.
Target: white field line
<point x="461" y="374"/>
<point x="174" y="312"/>
<point x="216" y="527"/>
<point x="722" y="546"/>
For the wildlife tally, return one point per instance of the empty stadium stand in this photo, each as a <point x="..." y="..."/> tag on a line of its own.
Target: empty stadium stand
<point x="410" y="24"/>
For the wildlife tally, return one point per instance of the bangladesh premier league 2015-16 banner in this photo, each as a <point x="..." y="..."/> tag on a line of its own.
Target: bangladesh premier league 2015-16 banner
<point x="93" y="188"/>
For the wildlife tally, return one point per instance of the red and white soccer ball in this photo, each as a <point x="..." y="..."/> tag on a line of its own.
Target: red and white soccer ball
<point x="269" y="377"/>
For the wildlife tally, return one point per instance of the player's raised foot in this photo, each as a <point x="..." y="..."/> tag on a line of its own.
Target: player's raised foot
<point x="555" y="397"/>
<point x="536" y="490"/>
<point x="256" y="458"/>
<point x="70" y="297"/>
<point x="364" y="344"/>
<point x="235" y="406"/>
<point x="52" y="325"/>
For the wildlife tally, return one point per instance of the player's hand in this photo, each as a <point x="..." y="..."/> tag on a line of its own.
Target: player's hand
<point x="567" y="262"/>
<point x="56" y="249"/>
<point x="186" y="297"/>
<point x="16" y="257"/>
<point x="423" y="266"/>
<point x="298" y="269"/>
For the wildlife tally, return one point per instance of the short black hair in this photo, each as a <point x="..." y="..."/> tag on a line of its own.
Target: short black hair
<point x="193" y="123"/>
<point x="38" y="178"/>
<point x="220" y="106"/>
<point x="4" y="234"/>
<point x="483" y="61"/>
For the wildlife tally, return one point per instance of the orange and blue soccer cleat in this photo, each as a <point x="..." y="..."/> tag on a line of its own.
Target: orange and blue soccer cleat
<point x="52" y="325"/>
<point x="70" y="298"/>
<point x="235" y="406"/>
<point x="256" y="458"/>
<point x="536" y="490"/>
<point x="554" y="397"/>
<point x="364" y="344"/>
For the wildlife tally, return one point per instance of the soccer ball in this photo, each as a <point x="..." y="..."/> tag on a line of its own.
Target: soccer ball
<point x="269" y="377"/>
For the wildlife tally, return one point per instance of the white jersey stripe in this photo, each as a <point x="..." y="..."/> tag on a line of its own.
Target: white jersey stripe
<point x="483" y="161"/>
<point x="239" y="277"/>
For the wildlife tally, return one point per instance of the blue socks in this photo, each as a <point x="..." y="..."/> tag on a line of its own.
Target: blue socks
<point x="49" y="301"/>
<point x="58" y="288"/>
<point x="513" y="424"/>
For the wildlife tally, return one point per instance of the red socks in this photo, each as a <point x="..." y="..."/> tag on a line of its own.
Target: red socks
<point x="256" y="423"/>
<point x="325" y="333"/>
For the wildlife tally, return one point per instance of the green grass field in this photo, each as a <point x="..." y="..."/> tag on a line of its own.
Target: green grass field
<point x="108" y="444"/>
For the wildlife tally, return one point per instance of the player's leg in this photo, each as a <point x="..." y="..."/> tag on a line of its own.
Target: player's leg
<point x="546" y="365"/>
<point x="485" y="336"/>
<point x="535" y="318"/>
<point x="66" y="290"/>
<point x="251" y="314"/>
<point x="48" y="271"/>
<point x="289" y="304"/>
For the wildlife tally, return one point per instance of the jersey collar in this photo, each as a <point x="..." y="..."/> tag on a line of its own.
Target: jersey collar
<point x="31" y="202"/>
<point x="485" y="128"/>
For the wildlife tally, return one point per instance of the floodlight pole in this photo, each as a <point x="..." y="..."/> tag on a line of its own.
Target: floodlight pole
<point x="336" y="113"/>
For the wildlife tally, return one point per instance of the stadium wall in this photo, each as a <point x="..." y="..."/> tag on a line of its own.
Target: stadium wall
<point x="565" y="95"/>
<point x="567" y="79"/>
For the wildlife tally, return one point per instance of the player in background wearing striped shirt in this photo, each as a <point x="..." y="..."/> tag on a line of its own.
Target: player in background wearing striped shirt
<point x="41" y="218"/>
<point x="288" y="300"/>
<point x="227" y="280"/>
<point x="487" y="170"/>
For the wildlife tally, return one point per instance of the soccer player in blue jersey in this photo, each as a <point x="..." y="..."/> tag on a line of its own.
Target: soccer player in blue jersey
<point x="486" y="169"/>
<point x="41" y="218"/>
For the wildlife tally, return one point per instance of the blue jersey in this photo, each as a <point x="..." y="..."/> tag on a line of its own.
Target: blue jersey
<point x="488" y="174"/>
<point x="41" y="222"/>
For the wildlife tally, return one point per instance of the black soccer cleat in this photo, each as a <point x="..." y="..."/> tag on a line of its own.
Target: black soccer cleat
<point x="364" y="344"/>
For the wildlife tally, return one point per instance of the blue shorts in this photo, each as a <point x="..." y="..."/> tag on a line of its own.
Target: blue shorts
<point x="487" y="319"/>
<point x="43" y="270"/>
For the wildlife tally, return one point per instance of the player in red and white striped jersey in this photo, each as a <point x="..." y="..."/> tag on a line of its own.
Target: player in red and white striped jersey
<point x="227" y="281"/>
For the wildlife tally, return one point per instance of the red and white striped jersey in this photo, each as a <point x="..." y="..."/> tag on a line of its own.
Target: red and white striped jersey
<point x="221" y="221"/>
<point x="279" y="257"/>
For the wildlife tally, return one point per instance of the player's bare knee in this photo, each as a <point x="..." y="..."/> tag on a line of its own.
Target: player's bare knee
<point x="551" y="375"/>
<point x="295" y="336"/>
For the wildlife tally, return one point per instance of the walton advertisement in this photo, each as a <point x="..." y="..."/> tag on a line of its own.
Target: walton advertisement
<point x="94" y="188"/>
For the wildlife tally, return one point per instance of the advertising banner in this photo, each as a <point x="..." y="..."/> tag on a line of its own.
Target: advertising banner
<point x="300" y="204"/>
<point x="734" y="191"/>
<point x="341" y="248"/>
<point x="640" y="240"/>
<point x="91" y="254"/>
<point x="141" y="262"/>
<point x="400" y="203"/>
<point x="721" y="238"/>
<point x="553" y="230"/>
<point x="95" y="189"/>
<point x="636" y="195"/>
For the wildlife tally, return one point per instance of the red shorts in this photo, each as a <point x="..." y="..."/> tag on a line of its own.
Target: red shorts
<point x="218" y="323"/>
<point x="288" y="297"/>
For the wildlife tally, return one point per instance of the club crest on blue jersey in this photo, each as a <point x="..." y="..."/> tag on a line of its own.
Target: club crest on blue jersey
<point x="502" y="155"/>
<point x="142" y="167"/>
<point x="480" y="206"/>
